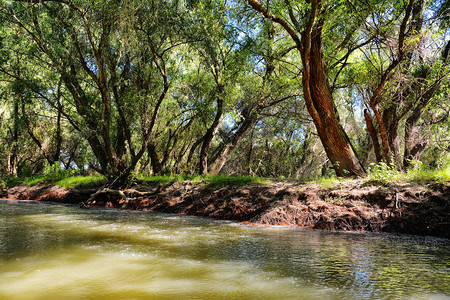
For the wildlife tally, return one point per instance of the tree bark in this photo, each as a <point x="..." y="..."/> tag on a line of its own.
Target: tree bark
<point x="154" y="160"/>
<point x="391" y="122"/>
<point x="373" y="136"/>
<point x="321" y="107"/>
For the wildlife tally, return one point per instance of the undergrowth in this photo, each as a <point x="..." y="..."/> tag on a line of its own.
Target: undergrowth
<point x="383" y="173"/>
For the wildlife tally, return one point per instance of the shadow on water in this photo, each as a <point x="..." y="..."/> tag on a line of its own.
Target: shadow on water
<point x="353" y="265"/>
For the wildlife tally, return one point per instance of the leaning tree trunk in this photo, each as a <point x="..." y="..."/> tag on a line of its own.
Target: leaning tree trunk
<point x="226" y="148"/>
<point x="321" y="107"/>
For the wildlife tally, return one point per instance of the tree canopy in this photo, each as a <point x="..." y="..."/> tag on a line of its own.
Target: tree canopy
<point x="268" y="88"/>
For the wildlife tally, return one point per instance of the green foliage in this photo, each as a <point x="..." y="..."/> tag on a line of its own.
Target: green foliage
<point x="52" y="52"/>
<point x="327" y="182"/>
<point x="55" y="173"/>
<point x="35" y="180"/>
<point x="422" y="175"/>
<point x="383" y="173"/>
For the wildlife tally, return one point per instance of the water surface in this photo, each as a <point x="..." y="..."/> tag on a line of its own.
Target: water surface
<point x="59" y="252"/>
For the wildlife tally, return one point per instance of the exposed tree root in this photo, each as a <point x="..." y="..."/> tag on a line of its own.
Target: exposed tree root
<point x="414" y="209"/>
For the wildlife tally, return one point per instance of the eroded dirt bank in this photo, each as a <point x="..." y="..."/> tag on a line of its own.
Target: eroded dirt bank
<point x="353" y="205"/>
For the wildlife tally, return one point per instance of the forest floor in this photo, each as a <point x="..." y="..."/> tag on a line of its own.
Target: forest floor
<point x="351" y="205"/>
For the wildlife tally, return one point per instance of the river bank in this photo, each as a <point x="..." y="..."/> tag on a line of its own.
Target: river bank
<point x="354" y="205"/>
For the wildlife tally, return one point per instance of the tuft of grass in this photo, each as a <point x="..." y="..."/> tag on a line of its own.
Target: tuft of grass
<point x="28" y="181"/>
<point x="84" y="181"/>
<point x="327" y="182"/>
<point x="157" y="179"/>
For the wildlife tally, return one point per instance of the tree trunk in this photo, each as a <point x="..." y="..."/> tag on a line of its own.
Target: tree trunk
<point x="209" y="136"/>
<point x="383" y="133"/>
<point x="226" y="148"/>
<point x="249" y="155"/>
<point x="154" y="160"/>
<point x="58" y="136"/>
<point x="321" y="107"/>
<point x="13" y="159"/>
<point x="391" y="122"/>
<point x="415" y="142"/>
<point x="373" y="135"/>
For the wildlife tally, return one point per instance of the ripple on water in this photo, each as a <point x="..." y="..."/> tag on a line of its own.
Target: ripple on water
<point x="56" y="252"/>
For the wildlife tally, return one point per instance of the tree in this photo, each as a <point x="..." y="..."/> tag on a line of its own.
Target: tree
<point x="406" y="71"/>
<point x="112" y="60"/>
<point x="307" y="34"/>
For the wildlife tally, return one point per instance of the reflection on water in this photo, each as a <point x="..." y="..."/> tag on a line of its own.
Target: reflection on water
<point x="56" y="252"/>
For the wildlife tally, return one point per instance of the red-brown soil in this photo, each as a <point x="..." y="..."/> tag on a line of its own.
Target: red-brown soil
<point x="353" y="205"/>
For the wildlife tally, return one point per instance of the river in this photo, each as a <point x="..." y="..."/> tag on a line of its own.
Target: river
<point x="61" y="252"/>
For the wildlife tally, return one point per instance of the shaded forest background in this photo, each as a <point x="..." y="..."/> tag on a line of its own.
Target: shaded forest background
<point x="271" y="89"/>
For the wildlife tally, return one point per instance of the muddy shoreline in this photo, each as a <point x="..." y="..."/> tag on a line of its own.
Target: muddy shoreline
<point x="350" y="206"/>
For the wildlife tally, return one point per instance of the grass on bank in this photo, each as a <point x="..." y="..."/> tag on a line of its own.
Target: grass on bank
<point x="65" y="182"/>
<point x="207" y="179"/>
<point x="378" y="174"/>
<point x="84" y="181"/>
<point x="383" y="174"/>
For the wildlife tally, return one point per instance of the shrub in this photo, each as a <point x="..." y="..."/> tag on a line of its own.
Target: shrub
<point x="383" y="172"/>
<point x="55" y="172"/>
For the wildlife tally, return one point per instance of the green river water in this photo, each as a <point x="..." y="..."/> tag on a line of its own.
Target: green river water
<point x="59" y="252"/>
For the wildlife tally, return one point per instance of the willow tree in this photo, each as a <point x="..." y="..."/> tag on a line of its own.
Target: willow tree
<point x="401" y="77"/>
<point x="113" y="60"/>
<point x="305" y="22"/>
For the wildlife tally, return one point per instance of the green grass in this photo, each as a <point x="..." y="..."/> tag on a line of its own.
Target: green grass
<point x="66" y="182"/>
<point x="28" y="181"/>
<point x="234" y="180"/>
<point x="378" y="175"/>
<point x="424" y="176"/>
<point x="84" y="181"/>
<point x="208" y="179"/>
<point x="163" y="179"/>
<point x="383" y="175"/>
<point x="328" y="182"/>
